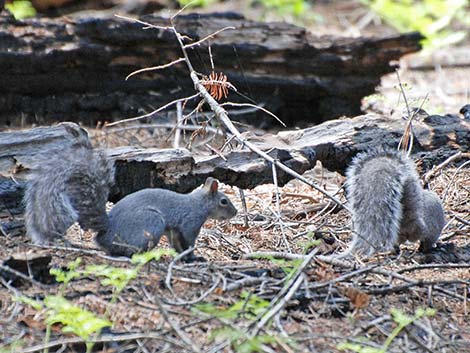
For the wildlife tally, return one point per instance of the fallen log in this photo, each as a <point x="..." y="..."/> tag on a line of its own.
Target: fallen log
<point x="334" y="143"/>
<point x="65" y="69"/>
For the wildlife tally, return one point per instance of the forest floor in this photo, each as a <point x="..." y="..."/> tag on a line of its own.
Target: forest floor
<point x="263" y="288"/>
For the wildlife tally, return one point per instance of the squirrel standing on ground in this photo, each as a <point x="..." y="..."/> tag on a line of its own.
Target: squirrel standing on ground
<point x="388" y="204"/>
<point x="73" y="186"/>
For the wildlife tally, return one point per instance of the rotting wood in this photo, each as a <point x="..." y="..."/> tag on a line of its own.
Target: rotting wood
<point x="334" y="143"/>
<point x="64" y="69"/>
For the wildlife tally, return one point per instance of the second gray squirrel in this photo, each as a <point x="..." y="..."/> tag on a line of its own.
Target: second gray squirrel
<point x="73" y="186"/>
<point x="138" y="221"/>
<point x="388" y="204"/>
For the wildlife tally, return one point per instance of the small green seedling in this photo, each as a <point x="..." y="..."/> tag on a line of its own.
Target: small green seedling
<point x="74" y="319"/>
<point x="240" y="342"/>
<point x="117" y="277"/>
<point x="21" y="9"/>
<point x="155" y="254"/>
<point x="289" y="267"/>
<point x="66" y="276"/>
<point x="196" y="3"/>
<point x="401" y="319"/>
<point x="249" y="307"/>
<point x="14" y="347"/>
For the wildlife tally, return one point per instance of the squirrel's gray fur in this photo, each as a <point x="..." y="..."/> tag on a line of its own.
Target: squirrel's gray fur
<point x="138" y="221"/>
<point x="73" y="185"/>
<point x="388" y="204"/>
<point x="67" y="186"/>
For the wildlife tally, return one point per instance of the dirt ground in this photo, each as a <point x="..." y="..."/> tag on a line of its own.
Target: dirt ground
<point x="287" y="300"/>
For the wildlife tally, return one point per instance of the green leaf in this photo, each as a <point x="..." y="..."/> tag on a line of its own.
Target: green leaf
<point x="74" y="319"/>
<point x="155" y="254"/>
<point x="21" y="9"/>
<point x="118" y="277"/>
<point x="254" y="344"/>
<point x="400" y="317"/>
<point x="69" y="274"/>
<point x="432" y="18"/>
<point x="36" y="305"/>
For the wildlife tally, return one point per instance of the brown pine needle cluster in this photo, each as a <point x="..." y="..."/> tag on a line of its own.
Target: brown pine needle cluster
<point x="217" y="85"/>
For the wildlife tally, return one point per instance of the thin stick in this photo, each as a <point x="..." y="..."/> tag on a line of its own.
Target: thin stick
<point x="181" y="334"/>
<point x="165" y="28"/>
<point x="154" y="68"/>
<point x="452" y="179"/>
<point x="449" y="160"/>
<point x="254" y="106"/>
<point x="290" y="287"/>
<point x="278" y="211"/>
<point x="222" y="115"/>
<point x="245" y="208"/>
<point x="187" y="46"/>
<point x="153" y="112"/>
<point x="167" y="126"/>
<point x="179" y="122"/>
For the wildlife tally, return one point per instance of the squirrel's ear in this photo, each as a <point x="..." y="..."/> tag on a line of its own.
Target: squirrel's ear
<point x="211" y="185"/>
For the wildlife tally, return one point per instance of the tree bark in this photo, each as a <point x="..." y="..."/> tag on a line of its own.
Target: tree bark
<point x="334" y="143"/>
<point x="64" y="69"/>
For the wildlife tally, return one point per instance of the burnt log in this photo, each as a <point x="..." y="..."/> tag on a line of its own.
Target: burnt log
<point x="334" y="143"/>
<point x="64" y="69"/>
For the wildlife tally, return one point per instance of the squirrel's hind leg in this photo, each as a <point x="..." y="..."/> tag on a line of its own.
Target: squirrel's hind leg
<point x="131" y="230"/>
<point x="412" y="224"/>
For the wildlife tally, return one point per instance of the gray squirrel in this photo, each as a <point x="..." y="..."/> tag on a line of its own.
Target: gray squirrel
<point x="388" y="204"/>
<point x="73" y="186"/>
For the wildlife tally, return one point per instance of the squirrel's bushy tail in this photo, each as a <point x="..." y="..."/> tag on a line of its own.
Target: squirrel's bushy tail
<point x="66" y="187"/>
<point x="375" y="185"/>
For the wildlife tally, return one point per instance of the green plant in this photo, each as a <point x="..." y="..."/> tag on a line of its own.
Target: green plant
<point x="66" y="276"/>
<point x="294" y="8"/>
<point x="429" y="17"/>
<point x="196" y="3"/>
<point x="12" y="348"/>
<point x="240" y="342"/>
<point x="401" y="319"/>
<point x="249" y="307"/>
<point x="155" y="254"/>
<point x="21" y="9"/>
<point x="310" y="243"/>
<point x="119" y="277"/>
<point x="73" y="319"/>
<point x="78" y="321"/>
<point x="287" y="266"/>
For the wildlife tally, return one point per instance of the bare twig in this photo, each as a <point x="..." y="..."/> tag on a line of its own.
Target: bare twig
<point x="155" y="111"/>
<point x="199" y="42"/>
<point x="154" y="68"/>
<point x="245" y="208"/>
<point x="282" y="298"/>
<point x="256" y="107"/>
<point x="167" y="126"/>
<point x="181" y="334"/>
<point x="452" y="179"/>
<point x="179" y="122"/>
<point x="278" y="210"/>
<point x="444" y="164"/>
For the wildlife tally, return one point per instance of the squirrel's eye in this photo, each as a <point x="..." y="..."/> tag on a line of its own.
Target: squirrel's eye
<point x="224" y="202"/>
